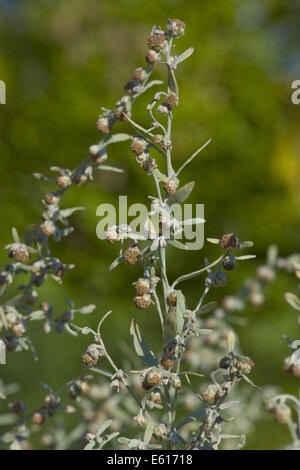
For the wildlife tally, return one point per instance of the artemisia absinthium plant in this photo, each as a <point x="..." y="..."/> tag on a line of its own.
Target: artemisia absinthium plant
<point x="162" y="380"/>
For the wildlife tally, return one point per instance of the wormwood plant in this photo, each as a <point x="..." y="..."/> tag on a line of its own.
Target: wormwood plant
<point x="145" y="402"/>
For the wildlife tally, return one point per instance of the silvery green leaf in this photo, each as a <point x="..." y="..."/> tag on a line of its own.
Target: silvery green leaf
<point x="113" y="139"/>
<point x="70" y="330"/>
<point x="184" y="55"/>
<point x="15" y="235"/>
<point x="67" y="231"/>
<point x="123" y="440"/>
<point x="46" y="387"/>
<point x="115" y="263"/>
<point x="86" y="310"/>
<point x="68" y="212"/>
<point x="172" y="83"/>
<point x="204" y="331"/>
<point x="141" y="347"/>
<point x="293" y="300"/>
<point x="104" y="372"/>
<point x="250" y="382"/>
<point x="228" y="404"/>
<point x="153" y="446"/>
<point x="148" y="432"/>
<point x="196" y="221"/>
<point x="7" y="419"/>
<point x="230" y="341"/>
<point x="241" y="442"/>
<point x="247" y="244"/>
<point x="160" y="176"/>
<point x="181" y="194"/>
<point x="153" y="83"/>
<point x="90" y="445"/>
<point x="37" y="315"/>
<point x="177" y="244"/>
<point x="103" y="426"/>
<point x="110" y="168"/>
<point x="3" y="318"/>
<point x="272" y="255"/>
<point x="207" y="307"/>
<point x="197" y="374"/>
<point x="180" y="311"/>
<point x="199" y="414"/>
<point x="243" y="257"/>
<point x="215" y="241"/>
<point x="41" y="177"/>
<point x="109" y="438"/>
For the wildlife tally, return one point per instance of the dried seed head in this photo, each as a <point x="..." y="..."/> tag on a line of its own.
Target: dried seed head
<point x="132" y="87"/>
<point x="63" y="181"/>
<point x="19" y="329"/>
<point x="138" y="146"/>
<point x="88" y="359"/>
<point x="209" y="394"/>
<point x="51" y="199"/>
<point x="38" y="417"/>
<point x="153" y="281"/>
<point x="229" y="262"/>
<point x="163" y="109"/>
<point x="152" y="379"/>
<point x="171" y="100"/>
<point x="49" y="401"/>
<point x="132" y="255"/>
<point x="167" y="361"/>
<point x="149" y="164"/>
<point x="156" y="42"/>
<point x="48" y="228"/>
<point x="229" y="241"/>
<point x="282" y="414"/>
<point x="225" y="362"/>
<point x="176" y="27"/>
<point x="265" y="274"/>
<point x="142" y="301"/>
<point x="142" y="286"/>
<point x="139" y="74"/>
<point x="173" y="299"/>
<point x="104" y="125"/>
<point x="170" y="186"/>
<point x="120" y="113"/>
<point x="155" y="397"/>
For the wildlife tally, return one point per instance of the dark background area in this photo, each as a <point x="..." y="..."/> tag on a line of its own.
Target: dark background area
<point x="61" y="61"/>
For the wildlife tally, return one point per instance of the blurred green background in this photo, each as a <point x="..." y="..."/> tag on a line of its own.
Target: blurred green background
<point x="61" y="61"/>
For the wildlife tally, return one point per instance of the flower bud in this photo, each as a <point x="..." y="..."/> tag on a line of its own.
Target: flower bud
<point x="139" y="420"/>
<point x="48" y="228"/>
<point x="176" y="382"/>
<point x="229" y="241"/>
<point x="163" y="109"/>
<point x="155" y="397"/>
<point x="149" y="164"/>
<point x="209" y="394"/>
<point x="142" y="301"/>
<point x="131" y="88"/>
<point x="176" y="27"/>
<point x="171" y="100"/>
<point x="104" y="125"/>
<point x="156" y="42"/>
<point x="50" y="199"/>
<point x="152" y="379"/>
<point x="139" y="74"/>
<point x="151" y="57"/>
<point x="63" y="181"/>
<point x="132" y="255"/>
<point x="19" y="329"/>
<point x="229" y="262"/>
<point x="160" y="431"/>
<point x="142" y="286"/>
<point x="282" y="414"/>
<point x="170" y="186"/>
<point x="138" y="146"/>
<point x="38" y="417"/>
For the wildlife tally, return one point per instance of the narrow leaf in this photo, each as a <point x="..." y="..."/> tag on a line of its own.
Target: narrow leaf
<point x="181" y="194"/>
<point x="141" y="347"/>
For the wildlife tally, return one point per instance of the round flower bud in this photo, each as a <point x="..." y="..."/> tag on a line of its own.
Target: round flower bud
<point x="89" y="359"/>
<point x="90" y="437"/>
<point x="120" y="113"/>
<point x="149" y="164"/>
<point x="282" y="414"/>
<point x="20" y="254"/>
<point x="176" y="27"/>
<point x="139" y="74"/>
<point x="244" y="364"/>
<point x="167" y="361"/>
<point x="152" y="379"/>
<point x="156" y="42"/>
<point x="66" y="316"/>
<point x="63" y="181"/>
<point x="139" y="420"/>
<point x="176" y="382"/>
<point x="142" y="286"/>
<point x="292" y="366"/>
<point x="160" y="431"/>
<point x="11" y="343"/>
<point x="225" y="362"/>
<point x="138" y="146"/>
<point x="229" y="262"/>
<point x="163" y="109"/>
<point x="155" y="397"/>
<point x="48" y="228"/>
<point x="18" y="407"/>
<point x="166" y="145"/>
<point x="265" y="274"/>
<point x="74" y="391"/>
<point x="229" y="241"/>
<point x="104" y="125"/>
<point x="132" y="88"/>
<point x="170" y="186"/>
<point x="219" y="279"/>
<point x="209" y="394"/>
<point x="38" y="417"/>
<point x="51" y="199"/>
<point x="49" y="401"/>
<point x="19" y="329"/>
<point x="111" y="235"/>
<point x="157" y="138"/>
<point x="142" y="301"/>
<point x="132" y="255"/>
<point x="171" y="100"/>
<point x="151" y="57"/>
<point x="46" y="307"/>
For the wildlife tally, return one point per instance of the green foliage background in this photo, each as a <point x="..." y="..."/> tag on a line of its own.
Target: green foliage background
<point x="61" y="61"/>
